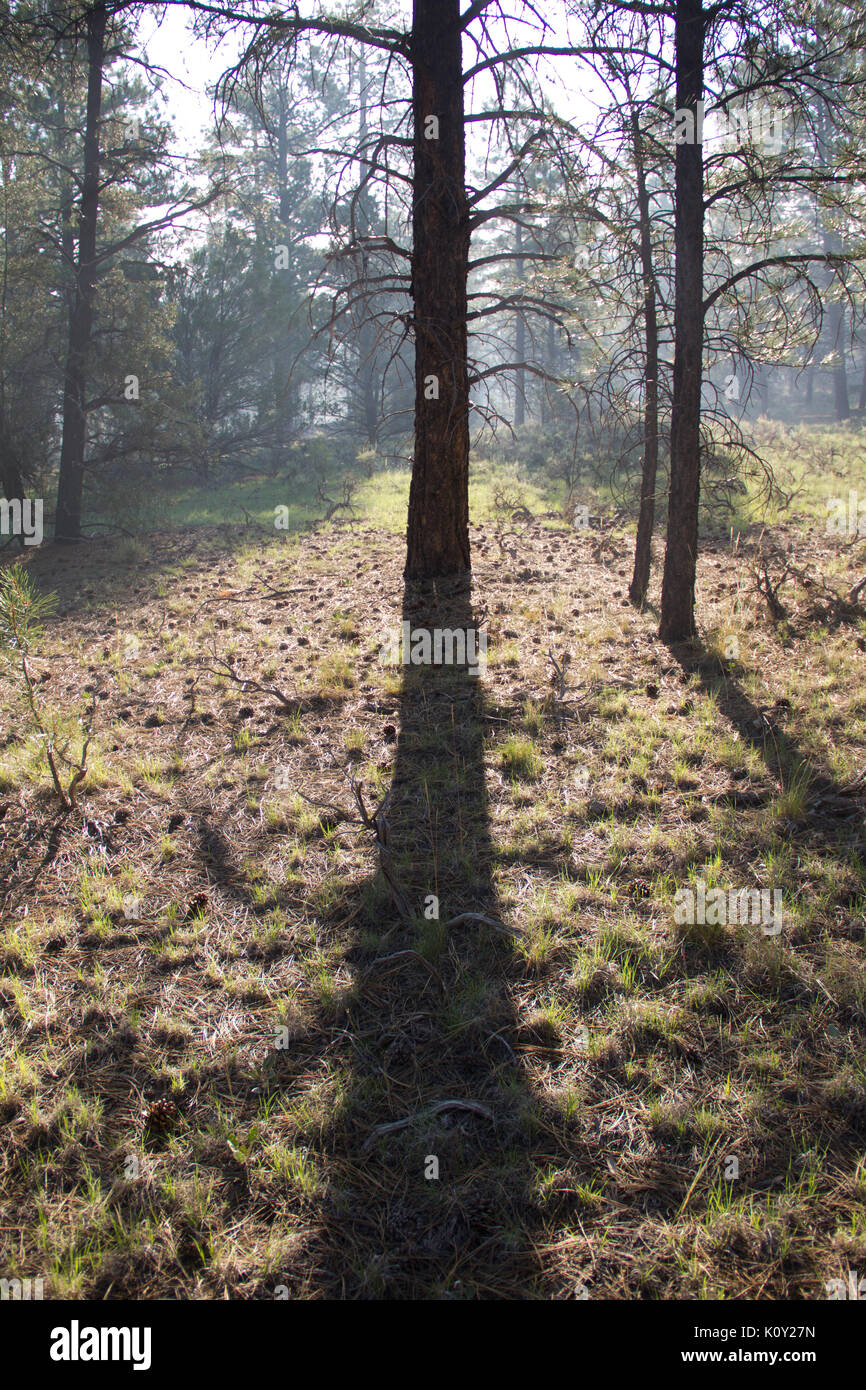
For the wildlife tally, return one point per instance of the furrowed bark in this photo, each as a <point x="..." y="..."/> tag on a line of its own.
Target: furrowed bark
<point x="678" y="584"/>
<point x="437" y="541"/>
<point x="646" y="515"/>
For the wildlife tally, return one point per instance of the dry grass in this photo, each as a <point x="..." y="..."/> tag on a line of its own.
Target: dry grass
<point x="211" y="931"/>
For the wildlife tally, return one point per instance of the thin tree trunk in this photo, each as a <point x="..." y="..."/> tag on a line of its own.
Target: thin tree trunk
<point x="71" y="481"/>
<point x="646" y="515"/>
<point x="520" y="345"/>
<point x="678" y="585"/>
<point x="11" y="478"/>
<point x="551" y="365"/>
<point x="285" y="203"/>
<point x="438" y="526"/>
<point x="367" y="385"/>
<point x="284" y="393"/>
<point x="840" y="371"/>
<point x="826" y="152"/>
<point x="67" y="232"/>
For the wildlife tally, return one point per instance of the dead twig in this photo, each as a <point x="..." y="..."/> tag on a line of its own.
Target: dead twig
<point x="226" y="667"/>
<point x="559" y="672"/>
<point x="230" y="596"/>
<point x="769" y="588"/>
<point x="336" y="812"/>
<point x="377" y="822"/>
<point x="332" y="504"/>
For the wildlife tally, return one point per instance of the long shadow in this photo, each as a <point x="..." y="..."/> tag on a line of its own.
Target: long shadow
<point x="429" y="1158"/>
<point x="417" y="1181"/>
<point x="417" y="1177"/>
<point x="423" y="1161"/>
<point x="811" y="1116"/>
<point x="837" y="817"/>
<point x="425" y="1157"/>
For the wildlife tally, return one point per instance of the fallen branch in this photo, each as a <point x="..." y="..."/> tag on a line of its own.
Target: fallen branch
<point x="226" y="667"/>
<point x="472" y="1107"/>
<point x="336" y="811"/>
<point x="248" y="596"/>
<point x="271" y="592"/>
<point x="462" y="918"/>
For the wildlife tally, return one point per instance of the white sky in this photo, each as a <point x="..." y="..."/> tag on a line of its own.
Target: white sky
<point x="194" y="65"/>
<point x="168" y="41"/>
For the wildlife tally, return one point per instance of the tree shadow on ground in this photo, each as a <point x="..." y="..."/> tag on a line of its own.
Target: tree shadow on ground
<point x="428" y="1194"/>
<point x="812" y="1114"/>
<point x="411" y="1128"/>
<point x="835" y="822"/>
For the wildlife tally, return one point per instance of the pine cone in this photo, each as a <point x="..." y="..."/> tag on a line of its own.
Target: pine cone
<point x="160" y="1114"/>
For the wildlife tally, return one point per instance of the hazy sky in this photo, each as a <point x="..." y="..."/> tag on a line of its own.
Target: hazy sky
<point x="194" y="65"/>
<point x="167" y="37"/>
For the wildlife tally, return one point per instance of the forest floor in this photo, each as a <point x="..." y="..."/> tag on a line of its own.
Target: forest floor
<point x="230" y="1059"/>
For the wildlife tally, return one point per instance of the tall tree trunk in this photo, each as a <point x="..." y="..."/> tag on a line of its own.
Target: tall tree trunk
<point x="11" y="478"/>
<point x="520" y="345"/>
<point x="551" y="366"/>
<point x="367" y="387"/>
<point x="825" y="150"/>
<point x="366" y="384"/>
<point x="438" y="527"/>
<point x="678" y="585"/>
<point x="284" y="392"/>
<point x="67" y="231"/>
<point x="861" y="404"/>
<point x="71" y="481"/>
<point x="646" y="515"/>
<point x="285" y="202"/>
